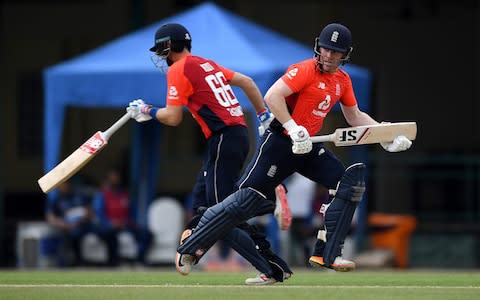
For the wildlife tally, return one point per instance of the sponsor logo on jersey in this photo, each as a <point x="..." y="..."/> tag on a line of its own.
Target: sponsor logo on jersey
<point x="235" y="111"/>
<point x="323" y="107"/>
<point x="321" y="85"/>
<point x="207" y="67"/>
<point x="319" y="113"/>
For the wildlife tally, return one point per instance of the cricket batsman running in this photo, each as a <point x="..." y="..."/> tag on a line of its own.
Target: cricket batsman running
<point x="300" y="101"/>
<point x="205" y="88"/>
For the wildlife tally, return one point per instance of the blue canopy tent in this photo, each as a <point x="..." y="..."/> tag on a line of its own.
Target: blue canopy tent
<point x="120" y="71"/>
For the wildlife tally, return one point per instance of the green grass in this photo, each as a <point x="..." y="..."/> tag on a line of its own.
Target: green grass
<point x="306" y="284"/>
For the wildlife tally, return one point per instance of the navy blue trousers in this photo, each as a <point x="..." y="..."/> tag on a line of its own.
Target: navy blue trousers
<point x="224" y="159"/>
<point x="274" y="161"/>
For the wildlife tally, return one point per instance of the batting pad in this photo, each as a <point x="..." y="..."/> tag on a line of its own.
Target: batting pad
<point x="219" y="219"/>
<point x="339" y="214"/>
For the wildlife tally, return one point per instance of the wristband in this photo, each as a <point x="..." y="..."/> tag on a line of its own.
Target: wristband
<point x="262" y="112"/>
<point x="153" y="112"/>
<point x="264" y="115"/>
<point x="289" y="125"/>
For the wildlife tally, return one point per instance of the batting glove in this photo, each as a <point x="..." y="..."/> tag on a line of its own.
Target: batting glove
<point x="299" y="135"/>
<point x="138" y="110"/>
<point x="265" y="118"/>
<point x="400" y="143"/>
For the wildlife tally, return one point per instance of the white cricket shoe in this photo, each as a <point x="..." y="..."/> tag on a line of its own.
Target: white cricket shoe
<point x="263" y="279"/>
<point x="282" y="212"/>
<point x="184" y="263"/>
<point x="340" y="264"/>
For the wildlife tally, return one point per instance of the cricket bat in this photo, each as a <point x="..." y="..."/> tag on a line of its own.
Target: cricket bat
<point x="80" y="157"/>
<point x="369" y="134"/>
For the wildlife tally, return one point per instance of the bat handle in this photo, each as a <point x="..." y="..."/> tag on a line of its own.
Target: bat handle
<point x="116" y="126"/>
<point x="323" y="138"/>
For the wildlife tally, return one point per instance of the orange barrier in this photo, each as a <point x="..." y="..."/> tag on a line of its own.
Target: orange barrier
<point x="394" y="234"/>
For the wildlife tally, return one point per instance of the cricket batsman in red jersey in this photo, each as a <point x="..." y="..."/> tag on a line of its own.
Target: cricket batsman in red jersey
<point x="300" y="100"/>
<point x="205" y="88"/>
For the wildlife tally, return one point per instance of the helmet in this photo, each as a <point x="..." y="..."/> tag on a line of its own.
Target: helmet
<point x="171" y="37"/>
<point x="335" y="37"/>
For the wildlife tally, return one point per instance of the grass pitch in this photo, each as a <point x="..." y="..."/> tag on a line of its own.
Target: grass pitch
<point x="306" y="284"/>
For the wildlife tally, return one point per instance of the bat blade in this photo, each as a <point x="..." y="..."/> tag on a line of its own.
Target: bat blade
<point x="369" y="134"/>
<point x="73" y="163"/>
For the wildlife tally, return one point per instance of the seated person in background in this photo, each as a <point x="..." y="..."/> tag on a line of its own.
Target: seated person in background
<point x="71" y="212"/>
<point x="113" y="212"/>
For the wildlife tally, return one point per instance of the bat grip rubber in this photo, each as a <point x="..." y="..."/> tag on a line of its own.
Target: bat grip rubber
<point x="323" y="138"/>
<point x="117" y="125"/>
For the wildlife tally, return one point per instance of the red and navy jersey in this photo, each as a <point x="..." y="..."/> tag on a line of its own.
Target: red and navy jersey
<point x="316" y="93"/>
<point x="203" y="87"/>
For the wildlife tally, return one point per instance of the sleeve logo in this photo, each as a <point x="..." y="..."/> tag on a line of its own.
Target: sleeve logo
<point x="172" y="92"/>
<point x="292" y="73"/>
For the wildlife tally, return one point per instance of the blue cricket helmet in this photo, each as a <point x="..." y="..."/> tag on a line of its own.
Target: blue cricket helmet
<point x="335" y="37"/>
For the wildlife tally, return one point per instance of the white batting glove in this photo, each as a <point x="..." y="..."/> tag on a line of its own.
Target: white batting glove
<point x="299" y="135"/>
<point x="265" y="118"/>
<point x="400" y="143"/>
<point x="138" y="110"/>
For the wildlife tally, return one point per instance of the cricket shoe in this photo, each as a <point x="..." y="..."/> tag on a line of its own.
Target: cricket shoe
<point x="184" y="263"/>
<point x="185" y="234"/>
<point x="263" y="279"/>
<point x="340" y="264"/>
<point x="282" y="212"/>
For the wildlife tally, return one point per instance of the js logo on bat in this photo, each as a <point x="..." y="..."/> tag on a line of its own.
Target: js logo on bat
<point x="93" y="144"/>
<point x="348" y="135"/>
